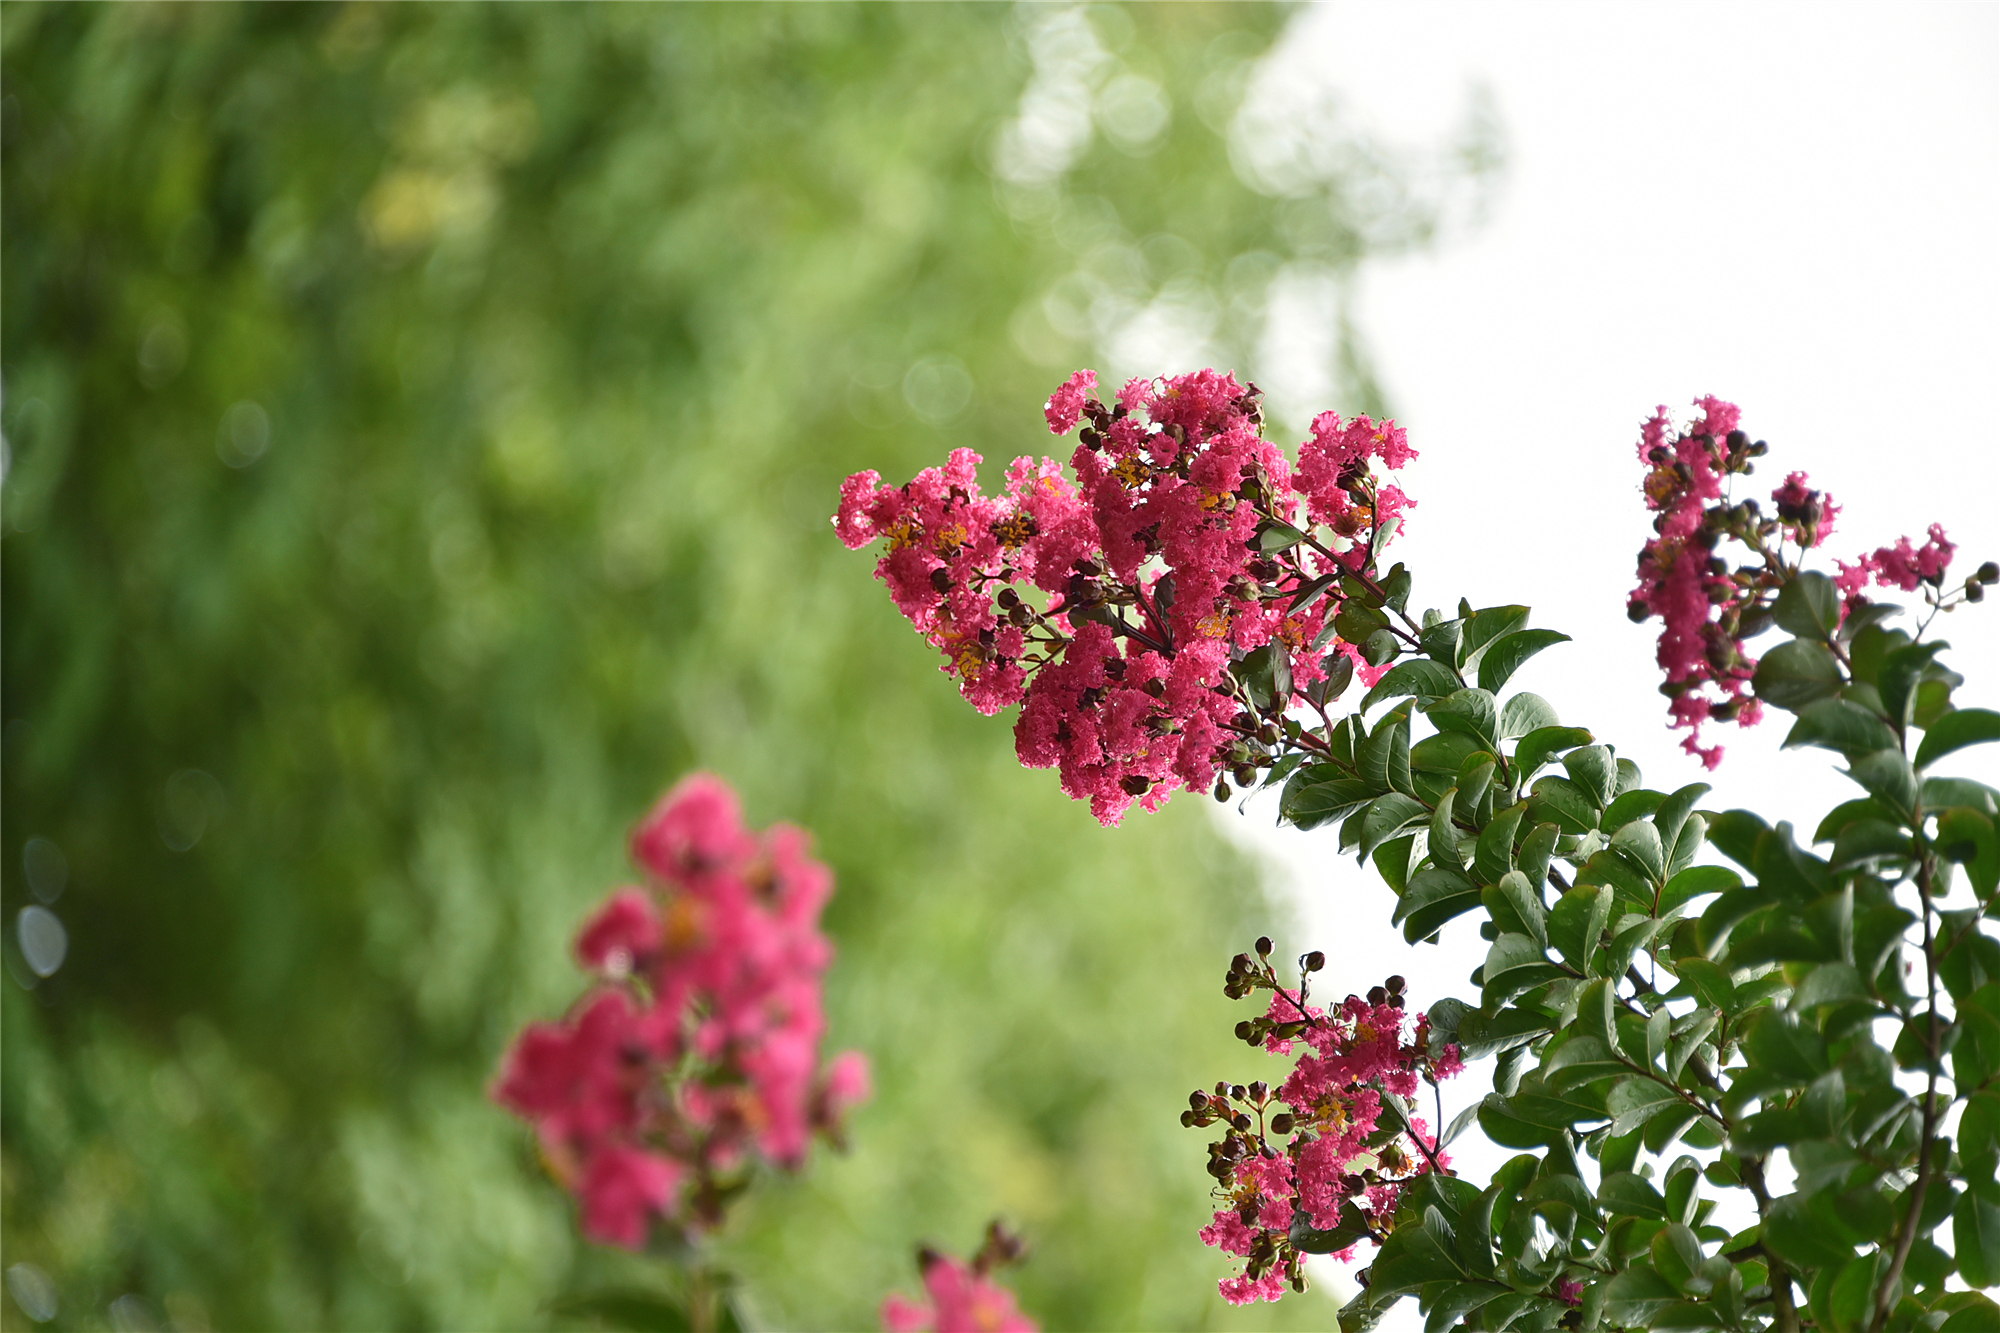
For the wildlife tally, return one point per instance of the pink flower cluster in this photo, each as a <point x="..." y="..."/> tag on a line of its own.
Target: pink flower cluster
<point x="1693" y="591"/>
<point x="1324" y="1155"/>
<point x="1900" y="566"/>
<point x="1152" y="572"/>
<point x="960" y="1297"/>
<point x="698" y="1052"/>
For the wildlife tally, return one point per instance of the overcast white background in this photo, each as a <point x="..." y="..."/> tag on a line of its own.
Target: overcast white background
<point x="1793" y="207"/>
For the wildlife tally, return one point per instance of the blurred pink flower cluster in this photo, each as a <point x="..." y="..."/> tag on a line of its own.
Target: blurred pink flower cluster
<point x="960" y="1297"/>
<point x="698" y="1052"/>
<point x="1168" y="560"/>
<point x="1324" y="1159"/>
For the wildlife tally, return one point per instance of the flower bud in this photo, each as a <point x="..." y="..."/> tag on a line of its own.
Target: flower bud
<point x="1282" y="1123"/>
<point x="1240" y="963"/>
<point x="1187" y="1119"/>
<point x="1245" y="775"/>
<point x="1242" y="1122"/>
<point x="940" y="580"/>
<point x="1155" y="687"/>
<point x="1238" y="1091"/>
<point x="1378" y="996"/>
<point x="1259" y="1090"/>
<point x="1973" y="591"/>
<point x="1396" y="985"/>
<point x="1222" y="789"/>
<point x="1135" y="784"/>
<point x="1988" y="573"/>
<point x="1247" y="1214"/>
<point x="1315" y="961"/>
<point x="1247" y="1032"/>
<point x="1264" y="946"/>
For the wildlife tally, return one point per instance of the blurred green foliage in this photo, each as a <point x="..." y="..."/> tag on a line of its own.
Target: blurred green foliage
<point x="423" y="423"/>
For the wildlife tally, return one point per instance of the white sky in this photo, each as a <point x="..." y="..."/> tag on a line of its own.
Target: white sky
<point x="1793" y="207"/>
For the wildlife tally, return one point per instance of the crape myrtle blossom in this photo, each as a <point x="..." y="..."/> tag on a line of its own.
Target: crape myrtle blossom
<point x="1130" y="609"/>
<point x="961" y="1297"/>
<point x="1327" y="1170"/>
<point x="1708" y="606"/>
<point x="698" y="1052"/>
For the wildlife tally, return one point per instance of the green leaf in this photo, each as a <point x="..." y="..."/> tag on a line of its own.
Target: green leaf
<point x="1486" y="626"/>
<point x="1632" y="805"/>
<point x="1888" y="777"/>
<point x="1942" y="793"/>
<point x="1808" y="606"/>
<point x="1320" y="794"/>
<point x="1506" y="654"/>
<point x="1472" y="711"/>
<point x="1384" y="758"/>
<point x="1799" y="1228"/>
<point x="1979" y="1135"/>
<point x="1577" y="922"/>
<point x="1352" y="1226"/>
<point x="1686" y="1042"/>
<point x="1389" y="816"/>
<point x="1445" y="752"/>
<point x="1696" y="882"/>
<point x="1975" y="1234"/>
<point x="1635" y="1101"/>
<point x="1566" y="804"/>
<point x="1514" y="964"/>
<point x="1538" y="745"/>
<point x="632" y="1308"/>
<point x="1536" y="850"/>
<point x="1456" y="1300"/>
<point x="1595" y="772"/>
<point x="1435" y="896"/>
<point x="1630" y="1195"/>
<point x="1275" y="536"/>
<point x="1978" y="1314"/>
<point x="1956" y="730"/>
<point x="1481" y="1034"/>
<point x="1495" y="854"/>
<point x="1709" y="981"/>
<point x="1899" y="674"/>
<point x="1796" y="673"/>
<point x="1737" y="833"/>
<point x="1640" y="842"/>
<point x="1637" y="1296"/>
<point x="1578" y="1061"/>
<point x="1864" y="841"/>
<point x="1829" y="983"/>
<point x="1525" y="714"/>
<point x="1419" y="676"/>
<point x="1777" y="1043"/>
<point x="1968" y="838"/>
<point x="1836" y="724"/>
<point x="1527" y="906"/>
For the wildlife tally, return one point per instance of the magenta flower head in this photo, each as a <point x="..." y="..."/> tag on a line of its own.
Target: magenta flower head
<point x="698" y="1054"/>
<point x="1125" y="610"/>
<point x="960" y="1297"/>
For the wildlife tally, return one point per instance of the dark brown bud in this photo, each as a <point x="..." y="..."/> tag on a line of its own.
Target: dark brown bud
<point x="1259" y="1091"/>
<point x="1988" y="573"/>
<point x="1759" y="449"/>
<point x="1637" y="611"/>
<point x="1197" y="1100"/>
<point x="1090" y="569"/>
<point x="1222" y="790"/>
<point x="1974" y="592"/>
<point x="1238" y="1091"/>
<point x="1008" y="598"/>
<point x="940" y="580"/>
<point x="1090" y="438"/>
<point x="1264" y="946"/>
<point x="1240" y="963"/>
<point x="1377" y="996"/>
<point x="1155" y="687"/>
<point x="1242" y="1122"/>
<point x="1282" y="1123"/>
<point x="1396" y="985"/>
<point x="1135" y="784"/>
<point x="1247" y="1214"/>
<point x="1187" y="1120"/>
<point x="1315" y="961"/>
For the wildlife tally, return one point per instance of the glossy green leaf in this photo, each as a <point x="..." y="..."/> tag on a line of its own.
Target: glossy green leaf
<point x="1537" y="746"/>
<point x="1389" y="816"/>
<point x="1525" y="714"/>
<point x="1709" y="982"/>
<point x="1481" y="1034"/>
<point x="1801" y="1229"/>
<point x="1887" y="776"/>
<point x="1975" y="1234"/>
<point x="1485" y="627"/>
<point x="1435" y="896"/>
<point x="1446" y="752"/>
<point x="1495" y="854"/>
<point x="1506" y="654"/>
<point x="1796" y="673"/>
<point x="1319" y="794"/>
<point x="1697" y="882"/>
<point x="1635" y="1298"/>
<point x="1836" y="724"/>
<point x="1515" y="963"/>
<point x="1577" y="922"/>
<point x="1808" y="606"/>
<point x="1640" y="842"/>
<point x="1631" y="1195"/>
<point x="1594" y="769"/>
<point x="1565" y="804"/>
<point x="1418" y="676"/>
<point x="1900" y="672"/>
<point x="1471" y="711"/>
<point x="1635" y="1101"/>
